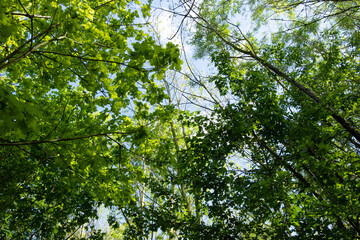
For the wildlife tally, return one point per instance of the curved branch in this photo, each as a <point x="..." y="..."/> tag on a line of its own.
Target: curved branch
<point x="348" y="127"/>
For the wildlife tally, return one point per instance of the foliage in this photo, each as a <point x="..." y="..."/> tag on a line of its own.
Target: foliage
<point x="293" y="117"/>
<point x="68" y="70"/>
<point x="91" y="118"/>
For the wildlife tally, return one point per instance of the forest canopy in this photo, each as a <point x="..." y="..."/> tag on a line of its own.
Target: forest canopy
<point x="108" y="132"/>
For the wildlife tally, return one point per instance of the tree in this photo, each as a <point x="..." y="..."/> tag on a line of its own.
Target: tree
<point x="92" y="118"/>
<point x="69" y="70"/>
<point x="293" y="116"/>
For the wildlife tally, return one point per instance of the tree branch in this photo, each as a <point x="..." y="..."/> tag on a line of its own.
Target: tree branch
<point x="9" y="143"/>
<point x="30" y="51"/>
<point x="29" y="15"/>
<point x="95" y="60"/>
<point x="16" y="51"/>
<point x="349" y="128"/>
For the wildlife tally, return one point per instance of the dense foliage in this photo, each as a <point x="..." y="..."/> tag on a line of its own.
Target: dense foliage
<point x="69" y="69"/>
<point x="93" y="116"/>
<point x="294" y="116"/>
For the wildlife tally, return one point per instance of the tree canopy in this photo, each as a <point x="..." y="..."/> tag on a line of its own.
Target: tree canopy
<point x="97" y="113"/>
